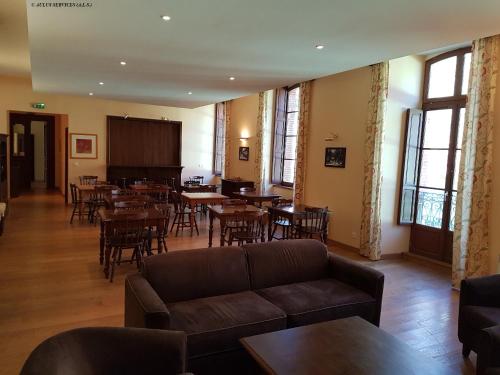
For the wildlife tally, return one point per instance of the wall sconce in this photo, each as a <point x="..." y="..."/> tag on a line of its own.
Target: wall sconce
<point x="244" y="138"/>
<point x="332" y="137"/>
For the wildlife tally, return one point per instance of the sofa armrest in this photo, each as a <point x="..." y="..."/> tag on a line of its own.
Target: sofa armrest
<point x="359" y="276"/>
<point x="481" y="291"/>
<point x="143" y="307"/>
<point x="489" y="347"/>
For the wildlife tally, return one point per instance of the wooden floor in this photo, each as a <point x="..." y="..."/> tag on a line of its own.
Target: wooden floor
<point x="51" y="281"/>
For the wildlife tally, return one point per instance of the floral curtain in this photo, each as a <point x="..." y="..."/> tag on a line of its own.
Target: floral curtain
<point x="227" y="139"/>
<point x="263" y="140"/>
<point x="300" y="162"/>
<point x="370" y="215"/>
<point x="470" y="241"/>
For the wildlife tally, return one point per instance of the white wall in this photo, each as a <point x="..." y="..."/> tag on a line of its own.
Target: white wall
<point x="37" y="129"/>
<point x="405" y="91"/>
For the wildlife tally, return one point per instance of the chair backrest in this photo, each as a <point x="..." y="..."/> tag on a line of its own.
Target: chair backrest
<point x="251" y="222"/>
<point x="316" y="219"/>
<point x="198" y="179"/>
<point x="190" y="274"/>
<point x="128" y="231"/>
<point x="101" y="191"/>
<point x="286" y="262"/>
<point x="132" y="205"/>
<point x="74" y="193"/>
<point x="177" y="201"/>
<point x="282" y="202"/>
<point x="88" y="180"/>
<point x="165" y="211"/>
<point x="247" y="189"/>
<point x="171" y="183"/>
<point x="109" y="350"/>
<point x="234" y="202"/>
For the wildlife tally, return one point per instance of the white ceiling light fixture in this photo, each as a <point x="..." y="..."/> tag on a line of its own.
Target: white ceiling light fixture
<point x="232" y="78"/>
<point x="166" y="18"/>
<point x="319" y="46"/>
<point x="101" y="83"/>
<point x="91" y="93"/>
<point x="190" y="93"/>
<point x="123" y="63"/>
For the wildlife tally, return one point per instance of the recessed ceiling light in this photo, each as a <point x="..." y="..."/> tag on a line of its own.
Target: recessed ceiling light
<point x="232" y="78"/>
<point x="123" y="63"/>
<point x="320" y="46"/>
<point x="91" y="93"/>
<point x="190" y="93"/>
<point x="165" y="18"/>
<point x="101" y="83"/>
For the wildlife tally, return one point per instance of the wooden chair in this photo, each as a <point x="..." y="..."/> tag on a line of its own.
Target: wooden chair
<point x="249" y="229"/>
<point x="126" y="233"/>
<point x="160" y="232"/>
<point x="133" y="205"/>
<point x="80" y="207"/>
<point x="97" y="199"/>
<point x="181" y="214"/>
<point x="198" y="179"/>
<point x="314" y="223"/>
<point x="282" y="222"/>
<point x="88" y="180"/>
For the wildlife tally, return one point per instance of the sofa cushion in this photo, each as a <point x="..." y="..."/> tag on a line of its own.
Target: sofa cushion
<point x="215" y="324"/>
<point x="320" y="300"/>
<point x="189" y="274"/>
<point x="285" y="262"/>
<point x="480" y="317"/>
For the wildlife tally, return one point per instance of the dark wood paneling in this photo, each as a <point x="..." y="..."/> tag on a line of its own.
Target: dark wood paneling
<point x="3" y="168"/>
<point x="125" y="175"/>
<point x="143" y="142"/>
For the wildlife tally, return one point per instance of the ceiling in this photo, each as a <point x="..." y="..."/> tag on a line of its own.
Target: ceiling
<point x="263" y="44"/>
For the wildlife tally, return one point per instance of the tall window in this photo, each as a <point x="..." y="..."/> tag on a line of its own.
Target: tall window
<point x="219" y="138"/>
<point x="432" y="157"/>
<point x="285" y="135"/>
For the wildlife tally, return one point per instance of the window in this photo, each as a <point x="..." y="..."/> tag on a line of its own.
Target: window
<point x="285" y="135"/>
<point x="432" y="155"/>
<point x="219" y="138"/>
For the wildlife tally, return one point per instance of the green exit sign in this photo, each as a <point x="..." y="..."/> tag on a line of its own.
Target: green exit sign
<point x="38" y="105"/>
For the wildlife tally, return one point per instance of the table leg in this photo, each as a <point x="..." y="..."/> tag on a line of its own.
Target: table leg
<point x="270" y="225"/>
<point x="101" y="243"/>
<point x="222" y="230"/>
<point x="210" y="228"/>
<point x="107" y="255"/>
<point x="192" y="217"/>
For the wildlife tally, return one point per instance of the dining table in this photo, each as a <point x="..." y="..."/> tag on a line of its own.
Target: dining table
<point x="153" y="218"/>
<point x="201" y="188"/>
<point x="193" y="199"/>
<point x="256" y="197"/>
<point x="294" y="213"/>
<point x="84" y="191"/>
<point x="225" y="213"/>
<point x="149" y="188"/>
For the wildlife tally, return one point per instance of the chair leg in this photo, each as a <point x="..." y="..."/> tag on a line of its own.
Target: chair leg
<point x="112" y="272"/>
<point x="465" y="351"/>
<point x="72" y="214"/>
<point x="196" y="227"/>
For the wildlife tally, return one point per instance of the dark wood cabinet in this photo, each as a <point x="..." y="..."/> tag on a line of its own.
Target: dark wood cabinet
<point x="3" y="168"/>
<point x="229" y="186"/>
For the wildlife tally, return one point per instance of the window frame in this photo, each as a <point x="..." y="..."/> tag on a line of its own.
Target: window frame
<point x="284" y="137"/>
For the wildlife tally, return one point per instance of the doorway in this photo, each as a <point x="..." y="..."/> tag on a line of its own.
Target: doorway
<point x="32" y="155"/>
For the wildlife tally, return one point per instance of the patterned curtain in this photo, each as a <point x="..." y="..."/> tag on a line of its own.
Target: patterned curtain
<point x="300" y="162"/>
<point x="227" y="139"/>
<point x="370" y="215"/>
<point x="263" y="140"/>
<point x="470" y="241"/>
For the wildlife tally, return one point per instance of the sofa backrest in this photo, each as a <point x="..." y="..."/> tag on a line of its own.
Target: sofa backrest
<point x="189" y="274"/>
<point x="285" y="262"/>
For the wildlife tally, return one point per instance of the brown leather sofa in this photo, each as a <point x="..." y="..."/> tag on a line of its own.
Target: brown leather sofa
<point x="219" y="295"/>
<point x="479" y="320"/>
<point x="109" y="350"/>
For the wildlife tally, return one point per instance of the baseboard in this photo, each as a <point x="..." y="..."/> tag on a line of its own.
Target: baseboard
<point x="392" y="256"/>
<point x="423" y="259"/>
<point x="342" y="246"/>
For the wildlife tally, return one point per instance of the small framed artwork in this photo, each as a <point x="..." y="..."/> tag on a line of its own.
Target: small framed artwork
<point x="244" y="153"/>
<point x="335" y="157"/>
<point x="83" y="146"/>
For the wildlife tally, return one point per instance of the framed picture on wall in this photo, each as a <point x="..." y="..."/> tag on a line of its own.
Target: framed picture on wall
<point x="83" y="146"/>
<point x="244" y="153"/>
<point x="335" y="157"/>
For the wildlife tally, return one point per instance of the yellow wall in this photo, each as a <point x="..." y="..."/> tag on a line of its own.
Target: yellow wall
<point x="88" y="115"/>
<point x="405" y="91"/>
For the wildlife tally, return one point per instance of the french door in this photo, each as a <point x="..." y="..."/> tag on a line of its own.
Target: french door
<point x="436" y="191"/>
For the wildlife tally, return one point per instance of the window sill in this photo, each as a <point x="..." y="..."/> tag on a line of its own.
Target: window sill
<point x="282" y="186"/>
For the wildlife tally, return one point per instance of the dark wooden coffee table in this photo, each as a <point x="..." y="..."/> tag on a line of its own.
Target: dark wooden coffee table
<point x="344" y="346"/>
